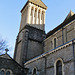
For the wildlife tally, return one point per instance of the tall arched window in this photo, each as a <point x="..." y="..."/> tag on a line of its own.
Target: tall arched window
<point x="42" y="17"/>
<point x="2" y="72"/>
<point x="54" y="42"/>
<point x="59" y="68"/>
<point x="34" y="71"/>
<point x="35" y="16"/>
<point x="32" y="15"/>
<point x="7" y="73"/>
<point x="51" y="45"/>
<point x="39" y="17"/>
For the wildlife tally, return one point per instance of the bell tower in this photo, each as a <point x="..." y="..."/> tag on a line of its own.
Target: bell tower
<point x="29" y="42"/>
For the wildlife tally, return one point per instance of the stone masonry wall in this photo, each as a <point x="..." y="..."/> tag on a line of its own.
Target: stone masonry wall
<point x="68" y="34"/>
<point x="35" y="42"/>
<point x="9" y="64"/>
<point x="45" y="65"/>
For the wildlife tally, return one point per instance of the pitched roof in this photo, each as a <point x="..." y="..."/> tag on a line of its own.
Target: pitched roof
<point x="36" y="2"/>
<point x="39" y="3"/>
<point x="68" y="19"/>
<point x="69" y="15"/>
<point x="6" y="56"/>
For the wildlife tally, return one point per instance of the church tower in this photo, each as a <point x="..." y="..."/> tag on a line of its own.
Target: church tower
<point x="29" y="42"/>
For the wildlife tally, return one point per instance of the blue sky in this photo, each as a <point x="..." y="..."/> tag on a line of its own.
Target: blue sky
<point x="10" y="17"/>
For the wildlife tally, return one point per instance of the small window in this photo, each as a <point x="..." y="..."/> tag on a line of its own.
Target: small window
<point x="59" y="68"/>
<point x="39" y="17"/>
<point x="7" y="73"/>
<point x="34" y="71"/>
<point x="54" y="42"/>
<point x="51" y="44"/>
<point x="31" y="11"/>
<point x="2" y="72"/>
<point x="42" y="16"/>
<point x="32" y="15"/>
<point x="35" y="13"/>
<point x="39" y="14"/>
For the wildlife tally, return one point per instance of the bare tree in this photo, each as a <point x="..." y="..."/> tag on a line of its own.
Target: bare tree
<point x="2" y="46"/>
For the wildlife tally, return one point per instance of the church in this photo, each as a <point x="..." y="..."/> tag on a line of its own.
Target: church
<point x="38" y="53"/>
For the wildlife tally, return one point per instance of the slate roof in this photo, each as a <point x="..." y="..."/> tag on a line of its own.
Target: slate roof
<point x="69" y="18"/>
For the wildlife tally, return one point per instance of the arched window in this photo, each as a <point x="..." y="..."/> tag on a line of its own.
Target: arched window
<point x="34" y="71"/>
<point x="51" y="44"/>
<point x="42" y="17"/>
<point x="32" y="15"/>
<point x="7" y="73"/>
<point x="31" y="11"/>
<point x="2" y="72"/>
<point x="35" y="15"/>
<point x="59" y="68"/>
<point x="54" y="42"/>
<point x="39" y="17"/>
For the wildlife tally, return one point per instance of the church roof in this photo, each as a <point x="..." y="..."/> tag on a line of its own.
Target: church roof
<point x="69" y="15"/>
<point x="69" y="18"/>
<point x="6" y="56"/>
<point x="36" y="2"/>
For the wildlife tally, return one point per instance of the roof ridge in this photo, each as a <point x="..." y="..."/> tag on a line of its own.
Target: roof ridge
<point x="69" y="20"/>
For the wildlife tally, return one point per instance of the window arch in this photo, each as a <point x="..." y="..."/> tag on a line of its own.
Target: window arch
<point x="59" y="67"/>
<point x="34" y="71"/>
<point x="2" y="72"/>
<point x="7" y="73"/>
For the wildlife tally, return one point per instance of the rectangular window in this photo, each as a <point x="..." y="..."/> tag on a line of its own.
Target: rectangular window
<point x="54" y="42"/>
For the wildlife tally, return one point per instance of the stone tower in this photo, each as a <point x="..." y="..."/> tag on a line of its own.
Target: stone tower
<point x="29" y="42"/>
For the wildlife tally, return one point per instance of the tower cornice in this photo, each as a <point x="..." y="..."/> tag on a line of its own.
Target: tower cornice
<point x="38" y="3"/>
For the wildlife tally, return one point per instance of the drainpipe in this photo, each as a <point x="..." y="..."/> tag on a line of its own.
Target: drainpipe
<point x="45" y="63"/>
<point x="43" y="43"/>
<point x="73" y="55"/>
